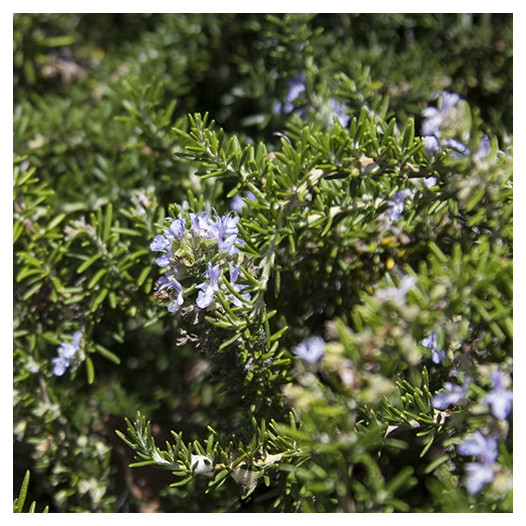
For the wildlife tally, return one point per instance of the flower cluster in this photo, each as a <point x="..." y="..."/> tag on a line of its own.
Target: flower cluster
<point x="437" y="118"/>
<point x="485" y="449"/>
<point x="446" y="119"/>
<point x="196" y="248"/>
<point x="296" y="88"/>
<point x="66" y="352"/>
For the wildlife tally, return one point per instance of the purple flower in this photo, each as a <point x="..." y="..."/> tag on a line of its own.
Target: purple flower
<point x="177" y="228"/>
<point x="451" y="395"/>
<point x="169" y="283"/>
<point x="226" y="232"/>
<point x="480" y="446"/>
<point x="159" y="243"/>
<point x="483" y="149"/>
<point x="234" y="274"/>
<point x="459" y="149"/>
<point x="431" y="144"/>
<point x="202" y="225"/>
<point x="499" y="399"/>
<point x="435" y="117"/>
<point x="66" y="352"/>
<point x="296" y="87"/>
<point x="396" y="204"/>
<point x="162" y="243"/>
<point x="238" y="202"/>
<point x="165" y="260"/>
<point x="430" y="181"/>
<point x="431" y="342"/>
<point x="311" y="350"/>
<point x="478" y="475"/>
<point x="206" y="293"/>
<point x="485" y="449"/>
<point x="338" y="111"/>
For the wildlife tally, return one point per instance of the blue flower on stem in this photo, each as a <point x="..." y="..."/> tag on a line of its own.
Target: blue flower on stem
<point x="431" y="342"/>
<point x="203" y="226"/>
<point x="206" y="292"/>
<point x="485" y="449"/>
<point x="311" y="350"/>
<point x="459" y="149"/>
<point x="451" y="395"/>
<point x="483" y="149"/>
<point x="396" y="204"/>
<point x="226" y="233"/>
<point x="478" y="475"/>
<point x="431" y="144"/>
<point x="435" y="117"/>
<point x="169" y="283"/>
<point x="338" y="110"/>
<point x="66" y="352"/>
<point x="296" y="87"/>
<point x="162" y="243"/>
<point x="238" y="202"/>
<point x="499" y="399"/>
<point x="234" y="274"/>
<point x="430" y="181"/>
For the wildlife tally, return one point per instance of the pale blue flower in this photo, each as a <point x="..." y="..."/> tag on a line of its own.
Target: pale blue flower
<point x="430" y="181"/>
<point x="202" y="225"/>
<point x="207" y="289"/>
<point x="296" y="87"/>
<point x="485" y="449"/>
<point x="164" y="260"/>
<point x="435" y="117"/>
<point x="483" y="149"/>
<point x="478" y="475"/>
<point x="169" y="283"/>
<point x="226" y="232"/>
<point x="451" y="395"/>
<point x="431" y="144"/>
<point x="311" y="350"/>
<point x="238" y="202"/>
<point x="338" y="110"/>
<point x="397" y="295"/>
<point x="163" y="243"/>
<point x="234" y="274"/>
<point x="159" y="243"/>
<point x="499" y="399"/>
<point x="177" y="228"/>
<point x="459" y="148"/>
<point x="66" y="352"/>
<point x="431" y="342"/>
<point x="396" y="204"/>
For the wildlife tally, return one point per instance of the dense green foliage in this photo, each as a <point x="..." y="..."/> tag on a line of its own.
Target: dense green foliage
<point x="353" y="228"/>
